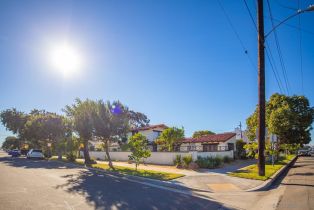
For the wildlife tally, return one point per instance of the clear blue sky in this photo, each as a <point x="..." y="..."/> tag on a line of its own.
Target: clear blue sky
<point x="179" y="62"/>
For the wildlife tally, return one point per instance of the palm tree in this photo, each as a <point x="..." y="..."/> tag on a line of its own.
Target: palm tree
<point x="81" y="114"/>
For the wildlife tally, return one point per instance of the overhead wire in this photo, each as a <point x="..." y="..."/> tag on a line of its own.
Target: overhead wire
<point x="268" y="52"/>
<point x="285" y="76"/>
<point x="236" y="33"/>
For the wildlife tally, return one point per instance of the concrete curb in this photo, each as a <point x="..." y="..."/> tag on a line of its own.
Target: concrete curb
<point x="266" y="184"/>
<point x="165" y="185"/>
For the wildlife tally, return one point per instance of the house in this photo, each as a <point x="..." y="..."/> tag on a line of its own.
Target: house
<point x="151" y="132"/>
<point x="210" y="143"/>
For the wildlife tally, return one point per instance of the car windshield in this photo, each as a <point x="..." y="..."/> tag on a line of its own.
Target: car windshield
<point x="36" y="150"/>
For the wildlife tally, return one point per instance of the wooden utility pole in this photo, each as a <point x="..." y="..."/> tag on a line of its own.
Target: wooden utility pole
<point x="261" y="89"/>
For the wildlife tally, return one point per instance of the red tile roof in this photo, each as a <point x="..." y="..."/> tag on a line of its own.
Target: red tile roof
<point x="213" y="138"/>
<point x="150" y="127"/>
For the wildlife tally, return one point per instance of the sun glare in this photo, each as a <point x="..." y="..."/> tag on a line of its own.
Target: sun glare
<point x="66" y="59"/>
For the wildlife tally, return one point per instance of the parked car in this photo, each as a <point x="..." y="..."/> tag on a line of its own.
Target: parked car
<point x="304" y="152"/>
<point x="35" y="153"/>
<point x="15" y="153"/>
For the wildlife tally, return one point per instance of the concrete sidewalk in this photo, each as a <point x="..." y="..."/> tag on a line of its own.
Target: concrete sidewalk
<point x="206" y="180"/>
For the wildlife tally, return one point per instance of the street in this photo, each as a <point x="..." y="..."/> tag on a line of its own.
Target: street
<point x="299" y="186"/>
<point x="40" y="184"/>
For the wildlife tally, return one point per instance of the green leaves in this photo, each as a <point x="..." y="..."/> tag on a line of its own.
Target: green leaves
<point x="289" y="117"/>
<point x="138" y="147"/>
<point x="200" y="133"/>
<point x="169" y="137"/>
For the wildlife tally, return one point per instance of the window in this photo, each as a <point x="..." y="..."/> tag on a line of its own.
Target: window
<point x="210" y="147"/>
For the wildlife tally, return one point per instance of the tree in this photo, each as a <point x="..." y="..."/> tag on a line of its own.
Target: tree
<point x="251" y="149"/>
<point x="289" y="117"/>
<point x="111" y="123"/>
<point x="138" y="119"/>
<point x="11" y="142"/>
<point x="45" y="127"/>
<point x="200" y="133"/>
<point x="241" y="153"/>
<point x="13" y="120"/>
<point x="139" y="149"/>
<point x="169" y="137"/>
<point x="81" y="116"/>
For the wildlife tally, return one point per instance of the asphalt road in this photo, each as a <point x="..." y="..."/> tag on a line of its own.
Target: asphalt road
<point x="299" y="186"/>
<point x="41" y="184"/>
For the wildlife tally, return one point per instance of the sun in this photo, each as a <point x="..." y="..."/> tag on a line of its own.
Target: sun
<point x="65" y="59"/>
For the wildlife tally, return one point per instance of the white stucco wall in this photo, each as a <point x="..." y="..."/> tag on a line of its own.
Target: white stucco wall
<point x="151" y="135"/>
<point x="161" y="158"/>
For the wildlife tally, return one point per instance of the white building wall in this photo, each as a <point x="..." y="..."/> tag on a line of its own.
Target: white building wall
<point x="151" y="135"/>
<point x="161" y="158"/>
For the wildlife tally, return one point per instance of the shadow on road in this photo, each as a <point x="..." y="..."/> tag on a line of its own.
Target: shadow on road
<point x="110" y="192"/>
<point x="33" y="163"/>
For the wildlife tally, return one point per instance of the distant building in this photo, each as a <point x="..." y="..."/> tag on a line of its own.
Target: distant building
<point x="210" y="143"/>
<point x="151" y="132"/>
<point x="241" y="135"/>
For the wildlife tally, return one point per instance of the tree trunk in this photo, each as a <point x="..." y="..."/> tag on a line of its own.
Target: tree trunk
<point x="59" y="154"/>
<point x="86" y="153"/>
<point x="108" y="155"/>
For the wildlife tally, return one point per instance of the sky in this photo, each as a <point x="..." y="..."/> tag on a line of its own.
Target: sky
<point x="179" y="62"/>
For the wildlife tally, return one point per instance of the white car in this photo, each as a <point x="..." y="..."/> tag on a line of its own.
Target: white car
<point x="35" y="153"/>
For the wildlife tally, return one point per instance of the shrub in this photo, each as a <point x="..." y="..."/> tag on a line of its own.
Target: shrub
<point x="226" y="159"/>
<point x="125" y="147"/>
<point x="218" y="161"/>
<point x="177" y="161"/>
<point x="209" y="162"/>
<point x="240" y="152"/>
<point x="71" y="157"/>
<point x="187" y="160"/>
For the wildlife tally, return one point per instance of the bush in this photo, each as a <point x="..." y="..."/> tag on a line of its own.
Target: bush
<point x="125" y="147"/>
<point x="177" y="161"/>
<point x="218" y="161"/>
<point x="187" y="160"/>
<point x="71" y="157"/>
<point x="209" y="162"/>
<point x="240" y="152"/>
<point x="227" y="159"/>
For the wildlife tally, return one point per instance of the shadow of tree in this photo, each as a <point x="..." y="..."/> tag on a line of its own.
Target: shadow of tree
<point x="108" y="191"/>
<point x="34" y="163"/>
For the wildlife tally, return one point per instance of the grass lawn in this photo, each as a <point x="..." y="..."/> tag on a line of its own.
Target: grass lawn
<point x="129" y="171"/>
<point x="251" y="172"/>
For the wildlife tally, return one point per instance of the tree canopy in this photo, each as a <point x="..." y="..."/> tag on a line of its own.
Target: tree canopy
<point x="169" y="137"/>
<point x="200" y="133"/>
<point x="11" y="142"/>
<point x="289" y="117"/>
<point x="139" y="149"/>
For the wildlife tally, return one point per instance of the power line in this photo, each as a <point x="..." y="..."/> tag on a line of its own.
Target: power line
<point x="268" y="52"/>
<point x="273" y="67"/>
<point x="236" y="33"/>
<point x="293" y="26"/>
<point x="284" y="6"/>
<point x="279" y="51"/>
<point x="248" y="9"/>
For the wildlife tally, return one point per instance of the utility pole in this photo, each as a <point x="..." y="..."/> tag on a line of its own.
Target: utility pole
<point x="240" y="125"/>
<point x="261" y="89"/>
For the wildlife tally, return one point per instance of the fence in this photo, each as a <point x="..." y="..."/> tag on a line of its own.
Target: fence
<point x="160" y="158"/>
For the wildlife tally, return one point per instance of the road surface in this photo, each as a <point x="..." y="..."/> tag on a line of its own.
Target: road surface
<point x="41" y="184"/>
<point x="299" y="186"/>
